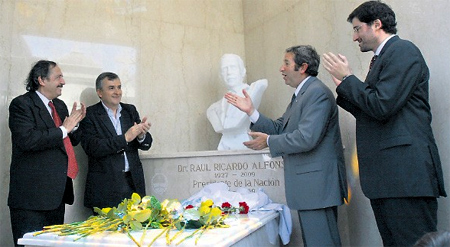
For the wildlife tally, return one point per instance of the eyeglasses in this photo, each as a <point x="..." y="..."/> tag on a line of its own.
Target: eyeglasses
<point x="357" y="28"/>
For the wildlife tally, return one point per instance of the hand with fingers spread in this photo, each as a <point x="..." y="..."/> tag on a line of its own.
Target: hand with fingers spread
<point x="244" y="104"/>
<point x="337" y="66"/>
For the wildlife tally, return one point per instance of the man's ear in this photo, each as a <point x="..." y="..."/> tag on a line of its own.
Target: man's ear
<point x="377" y="24"/>
<point x="41" y="81"/>
<point x="99" y="94"/>
<point x="304" y="67"/>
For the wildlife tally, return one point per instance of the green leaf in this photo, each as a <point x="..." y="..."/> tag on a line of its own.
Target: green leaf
<point x="127" y="218"/>
<point x="191" y="214"/>
<point x="193" y="224"/>
<point x="112" y="213"/>
<point x="98" y="211"/>
<point x="122" y="207"/>
<point x="143" y="215"/>
<point x="155" y="203"/>
<point x="155" y="225"/>
<point x="135" y="225"/>
<point x="179" y="225"/>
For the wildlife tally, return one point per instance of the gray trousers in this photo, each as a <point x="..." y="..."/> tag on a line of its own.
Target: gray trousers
<point x="319" y="227"/>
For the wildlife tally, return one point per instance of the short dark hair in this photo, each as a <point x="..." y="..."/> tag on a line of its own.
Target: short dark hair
<point x="41" y="68"/>
<point x="372" y="10"/>
<point x="108" y="75"/>
<point x="306" y="54"/>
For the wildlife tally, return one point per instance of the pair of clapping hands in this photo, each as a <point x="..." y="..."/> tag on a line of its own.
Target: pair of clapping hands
<point x="75" y="117"/>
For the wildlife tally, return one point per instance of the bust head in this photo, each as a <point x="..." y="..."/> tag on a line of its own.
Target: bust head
<point x="232" y="70"/>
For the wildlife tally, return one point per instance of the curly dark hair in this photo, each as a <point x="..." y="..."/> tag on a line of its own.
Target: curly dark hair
<point x="372" y="10"/>
<point x="41" y="68"/>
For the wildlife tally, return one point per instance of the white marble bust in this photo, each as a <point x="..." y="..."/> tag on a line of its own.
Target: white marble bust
<point x="226" y="118"/>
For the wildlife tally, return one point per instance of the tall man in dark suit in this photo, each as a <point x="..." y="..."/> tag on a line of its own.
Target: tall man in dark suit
<point x="308" y="138"/>
<point x="398" y="158"/>
<point x="43" y="162"/>
<point x="112" y="135"/>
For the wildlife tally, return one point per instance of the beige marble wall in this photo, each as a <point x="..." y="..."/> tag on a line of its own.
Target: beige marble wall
<point x="167" y="54"/>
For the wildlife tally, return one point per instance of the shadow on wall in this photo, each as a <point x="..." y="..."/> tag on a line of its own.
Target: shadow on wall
<point x="89" y="96"/>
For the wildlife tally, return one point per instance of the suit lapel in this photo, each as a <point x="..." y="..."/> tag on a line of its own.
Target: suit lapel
<point x="104" y="119"/>
<point x="293" y="108"/>
<point x="378" y="60"/>
<point x="60" y="109"/>
<point x="386" y="46"/>
<point x="126" y="120"/>
<point x="43" y="111"/>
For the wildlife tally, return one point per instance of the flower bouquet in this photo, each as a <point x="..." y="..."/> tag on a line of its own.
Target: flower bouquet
<point x="142" y="214"/>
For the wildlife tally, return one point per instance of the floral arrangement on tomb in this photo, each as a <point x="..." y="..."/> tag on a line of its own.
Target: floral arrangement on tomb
<point x="142" y="214"/>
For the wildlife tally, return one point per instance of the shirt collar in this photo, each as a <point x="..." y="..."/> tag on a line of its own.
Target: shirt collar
<point x="301" y="85"/>
<point x="110" y="112"/>
<point x="43" y="98"/>
<point x="380" y="47"/>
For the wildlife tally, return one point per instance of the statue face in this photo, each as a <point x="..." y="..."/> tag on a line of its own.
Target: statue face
<point x="231" y="72"/>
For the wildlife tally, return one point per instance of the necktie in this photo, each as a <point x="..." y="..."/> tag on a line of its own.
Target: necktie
<point x="292" y="99"/>
<point x="72" y="170"/>
<point x="372" y="61"/>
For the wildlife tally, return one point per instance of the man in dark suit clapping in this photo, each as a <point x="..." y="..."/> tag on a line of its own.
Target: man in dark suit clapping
<point x="112" y="135"/>
<point x="43" y="163"/>
<point x="398" y="158"/>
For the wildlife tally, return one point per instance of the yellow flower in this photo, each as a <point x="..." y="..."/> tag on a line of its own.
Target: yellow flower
<point x="207" y="203"/>
<point x="216" y="212"/>
<point x="204" y="210"/>
<point x="205" y="207"/>
<point x="106" y="210"/>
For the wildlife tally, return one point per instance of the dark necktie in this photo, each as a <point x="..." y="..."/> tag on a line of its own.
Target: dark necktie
<point x="292" y="99"/>
<point x="372" y="61"/>
<point x="72" y="170"/>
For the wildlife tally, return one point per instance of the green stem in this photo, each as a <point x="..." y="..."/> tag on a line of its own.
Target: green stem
<point x="159" y="235"/>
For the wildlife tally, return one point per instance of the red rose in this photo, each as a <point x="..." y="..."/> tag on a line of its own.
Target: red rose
<point x="243" y="208"/>
<point x="226" y="205"/>
<point x="189" y="206"/>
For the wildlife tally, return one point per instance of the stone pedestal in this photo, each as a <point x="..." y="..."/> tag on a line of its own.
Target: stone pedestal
<point x="254" y="229"/>
<point x="181" y="175"/>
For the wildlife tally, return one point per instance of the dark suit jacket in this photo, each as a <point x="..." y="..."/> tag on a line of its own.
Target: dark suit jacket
<point x="39" y="160"/>
<point x="308" y="138"/>
<point x="105" y="155"/>
<point x="397" y="153"/>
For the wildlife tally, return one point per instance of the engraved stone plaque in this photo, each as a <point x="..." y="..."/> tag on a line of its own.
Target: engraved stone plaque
<point x="184" y="174"/>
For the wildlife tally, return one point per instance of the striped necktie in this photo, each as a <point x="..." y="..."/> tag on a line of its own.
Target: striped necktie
<point x="72" y="169"/>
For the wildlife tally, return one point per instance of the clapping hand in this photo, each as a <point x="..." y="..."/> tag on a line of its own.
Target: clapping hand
<point x="138" y="130"/>
<point x="337" y="66"/>
<point x="145" y="127"/>
<point x="75" y="117"/>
